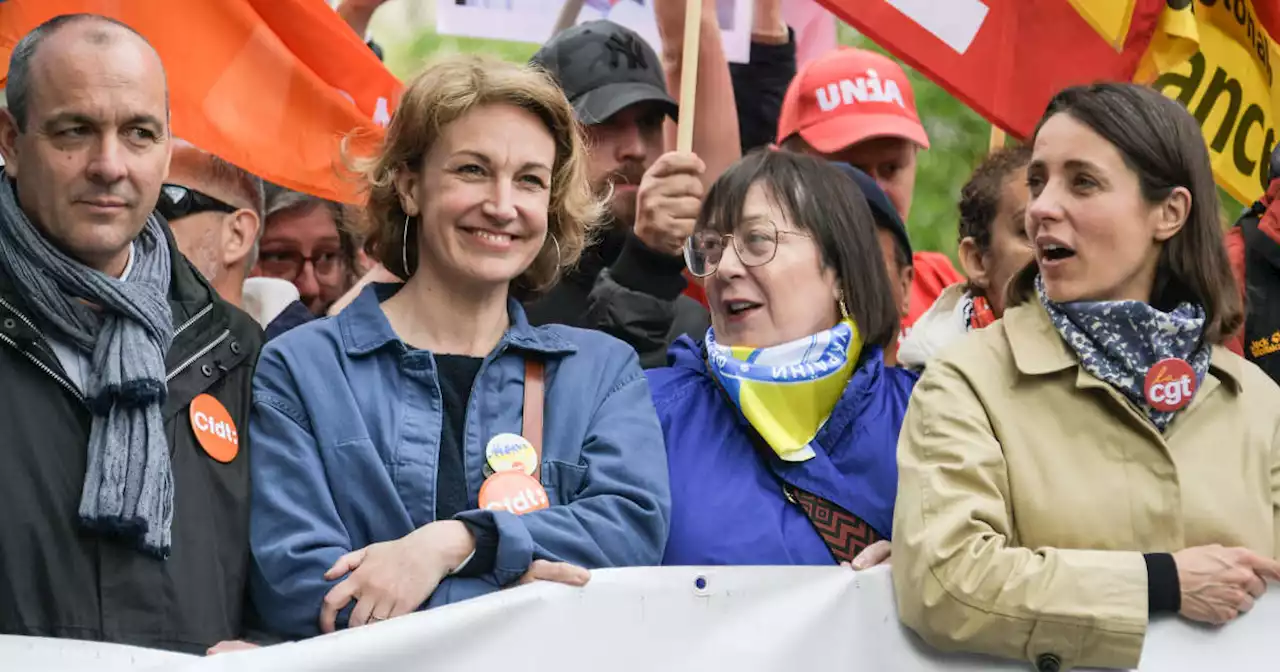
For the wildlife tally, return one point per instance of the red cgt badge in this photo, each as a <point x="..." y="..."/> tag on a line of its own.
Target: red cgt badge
<point x="1170" y="385"/>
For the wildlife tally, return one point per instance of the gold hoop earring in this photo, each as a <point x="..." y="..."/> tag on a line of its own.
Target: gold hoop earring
<point x="404" y="248"/>
<point x="559" y="259"/>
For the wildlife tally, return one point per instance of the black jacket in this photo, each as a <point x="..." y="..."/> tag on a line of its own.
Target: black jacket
<point x="758" y="89"/>
<point x="634" y="295"/>
<point x="59" y="580"/>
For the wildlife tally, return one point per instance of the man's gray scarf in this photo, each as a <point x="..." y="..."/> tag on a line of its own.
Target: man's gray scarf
<point x="128" y="484"/>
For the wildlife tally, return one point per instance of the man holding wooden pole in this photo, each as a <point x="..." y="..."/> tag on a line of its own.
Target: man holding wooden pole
<point x="630" y="284"/>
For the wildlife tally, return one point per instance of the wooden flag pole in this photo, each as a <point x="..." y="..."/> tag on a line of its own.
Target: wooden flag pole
<point x="689" y="74"/>
<point x="997" y="139"/>
<point x="568" y="17"/>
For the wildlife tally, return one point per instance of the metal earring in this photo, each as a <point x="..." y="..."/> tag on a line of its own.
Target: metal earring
<point x="404" y="248"/>
<point x="844" y="310"/>
<point x="558" y="257"/>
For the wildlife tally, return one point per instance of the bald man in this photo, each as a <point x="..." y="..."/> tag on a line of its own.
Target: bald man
<point x="215" y="212"/>
<point x="126" y="379"/>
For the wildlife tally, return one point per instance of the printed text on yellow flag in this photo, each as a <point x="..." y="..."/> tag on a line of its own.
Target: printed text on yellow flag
<point x="1228" y="84"/>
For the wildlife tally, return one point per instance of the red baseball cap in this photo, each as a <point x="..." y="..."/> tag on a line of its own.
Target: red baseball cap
<point x="847" y="96"/>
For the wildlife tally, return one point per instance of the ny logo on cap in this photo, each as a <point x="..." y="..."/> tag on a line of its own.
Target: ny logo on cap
<point x="862" y="90"/>
<point x="626" y="46"/>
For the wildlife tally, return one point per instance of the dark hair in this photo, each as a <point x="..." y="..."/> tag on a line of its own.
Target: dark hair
<point x="18" y="88"/>
<point x="1161" y="142"/>
<point x="825" y="202"/>
<point x="980" y="197"/>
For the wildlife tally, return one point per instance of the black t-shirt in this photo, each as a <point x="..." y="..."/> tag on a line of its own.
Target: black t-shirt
<point x="457" y="374"/>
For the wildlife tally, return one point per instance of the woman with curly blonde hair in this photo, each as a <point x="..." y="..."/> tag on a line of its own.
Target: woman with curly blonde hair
<point x="427" y="444"/>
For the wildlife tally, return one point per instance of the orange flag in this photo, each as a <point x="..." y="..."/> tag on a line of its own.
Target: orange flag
<point x="271" y="86"/>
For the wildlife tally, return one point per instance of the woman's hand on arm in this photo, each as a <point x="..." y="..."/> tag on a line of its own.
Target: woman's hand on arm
<point x="557" y="572"/>
<point x="875" y="554"/>
<point x="394" y="578"/>
<point x="1218" y="584"/>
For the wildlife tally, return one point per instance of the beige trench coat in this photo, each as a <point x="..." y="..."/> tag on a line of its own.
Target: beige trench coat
<point x="1029" y="490"/>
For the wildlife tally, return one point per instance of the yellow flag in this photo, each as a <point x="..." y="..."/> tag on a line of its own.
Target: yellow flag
<point x="1228" y="84"/>
<point x="1110" y="18"/>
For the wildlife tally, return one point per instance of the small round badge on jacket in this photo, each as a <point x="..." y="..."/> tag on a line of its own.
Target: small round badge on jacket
<point x="508" y="452"/>
<point x="1170" y="385"/>
<point x="513" y="491"/>
<point x="214" y="429"/>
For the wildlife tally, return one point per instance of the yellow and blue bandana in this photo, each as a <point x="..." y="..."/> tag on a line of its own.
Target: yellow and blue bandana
<point x="788" y="391"/>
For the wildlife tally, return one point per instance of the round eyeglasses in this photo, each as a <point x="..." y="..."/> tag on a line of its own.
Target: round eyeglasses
<point x="756" y="244"/>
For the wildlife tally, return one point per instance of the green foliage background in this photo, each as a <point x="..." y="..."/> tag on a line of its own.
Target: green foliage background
<point x="958" y="136"/>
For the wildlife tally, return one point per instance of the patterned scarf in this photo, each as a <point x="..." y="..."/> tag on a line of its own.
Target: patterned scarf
<point x="977" y="312"/>
<point x="128" y="481"/>
<point x="788" y="391"/>
<point x="1118" y="341"/>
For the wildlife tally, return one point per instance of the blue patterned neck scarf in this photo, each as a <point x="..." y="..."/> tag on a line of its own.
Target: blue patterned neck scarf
<point x="1118" y="341"/>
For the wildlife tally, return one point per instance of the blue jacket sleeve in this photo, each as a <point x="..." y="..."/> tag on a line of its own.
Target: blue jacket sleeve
<point x="622" y="514"/>
<point x="295" y="532"/>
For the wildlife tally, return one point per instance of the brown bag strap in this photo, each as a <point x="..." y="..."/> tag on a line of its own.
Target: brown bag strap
<point x="534" y="395"/>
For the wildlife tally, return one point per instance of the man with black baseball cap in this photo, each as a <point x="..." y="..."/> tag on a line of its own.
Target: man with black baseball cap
<point x="630" y="283"/>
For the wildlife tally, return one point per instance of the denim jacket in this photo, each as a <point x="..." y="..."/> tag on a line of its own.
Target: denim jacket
<point x="346" y="427"/>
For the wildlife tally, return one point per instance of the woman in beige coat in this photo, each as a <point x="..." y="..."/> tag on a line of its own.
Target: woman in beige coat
<point x="1095" y="458"/>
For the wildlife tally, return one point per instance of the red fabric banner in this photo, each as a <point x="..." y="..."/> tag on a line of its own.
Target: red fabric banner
<point x="1003" y="58"/>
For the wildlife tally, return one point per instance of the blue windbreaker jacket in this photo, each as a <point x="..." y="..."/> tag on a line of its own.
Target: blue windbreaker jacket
<point x="727" y="503"/>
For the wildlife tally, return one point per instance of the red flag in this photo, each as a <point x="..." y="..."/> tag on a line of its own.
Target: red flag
<point x="1003" y="58"/>
<point x="271" y="86"/>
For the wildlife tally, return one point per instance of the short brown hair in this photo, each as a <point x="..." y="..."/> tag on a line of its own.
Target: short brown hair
<point x="446" y="91"/>
<point x="1161" y="142"/>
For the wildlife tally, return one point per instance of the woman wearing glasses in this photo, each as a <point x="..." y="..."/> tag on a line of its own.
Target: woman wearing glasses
<point x="305" y="241"/>
<point x="785" y="419"/>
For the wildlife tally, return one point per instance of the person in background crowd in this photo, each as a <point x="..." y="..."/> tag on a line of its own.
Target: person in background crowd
<point x="117" y="358"/>
<point x="1253" y="246"/>
<point x="1063" y="472"/>
<point x="480" y="198"/>
<point x="857" y="107"/>
<point x="993" y="247"/>
<point x="358" y="14"/>
<point x="214" y="210"/>
<point x="792" y="270"/>
<point x="760" y="84"/>
<point x="306" y="243"/>
<point x="630" y="283"/>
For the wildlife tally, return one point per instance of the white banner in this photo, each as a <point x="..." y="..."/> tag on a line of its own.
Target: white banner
<point x="747" y="619"/>
<point x="533" y="20"/>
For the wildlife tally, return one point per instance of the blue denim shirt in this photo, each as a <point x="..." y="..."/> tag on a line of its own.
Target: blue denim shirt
<point x="345" y="434"/>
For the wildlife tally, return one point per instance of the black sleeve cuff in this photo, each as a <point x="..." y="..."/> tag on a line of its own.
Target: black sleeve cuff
<point x="780" y="56"/>
<point x="481" y="562"/>
<point x="1164" y="593"/>
<point x="644" y="270"/>
<point x="759" y="88"/>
